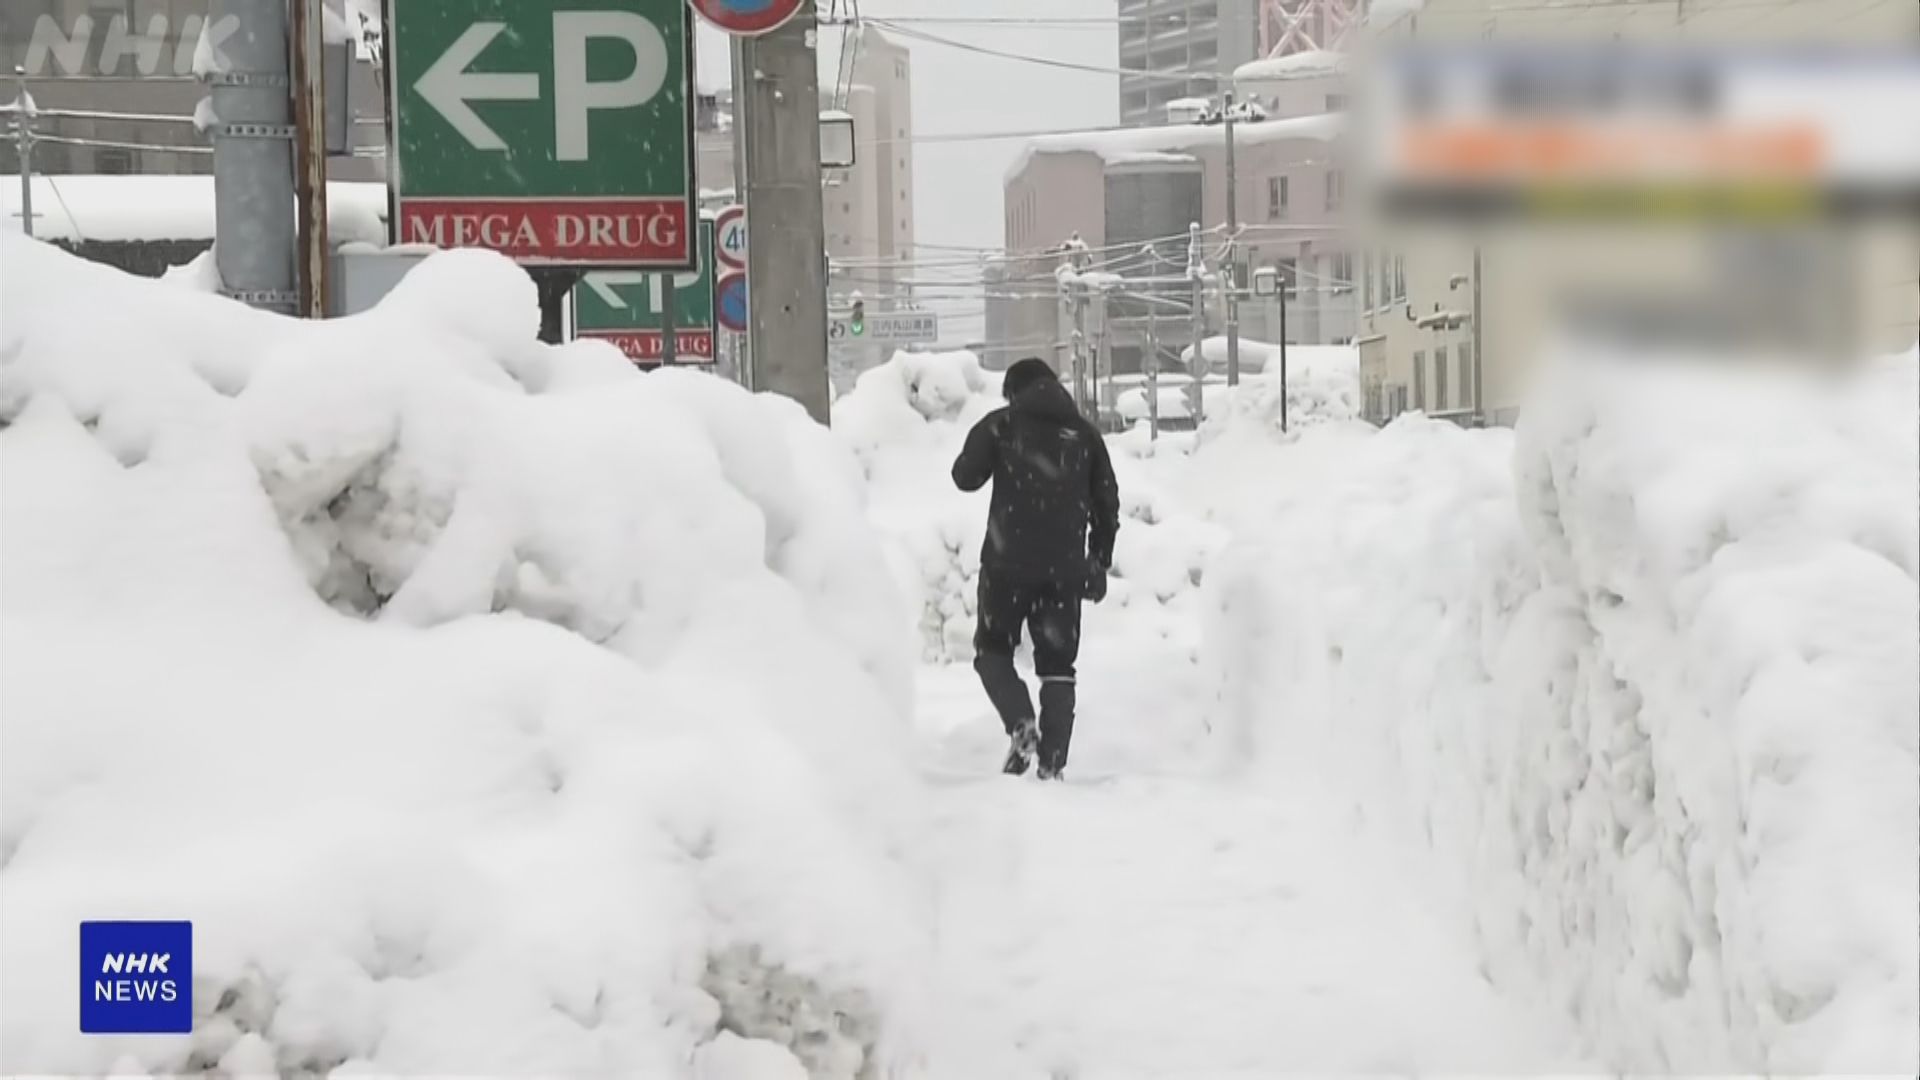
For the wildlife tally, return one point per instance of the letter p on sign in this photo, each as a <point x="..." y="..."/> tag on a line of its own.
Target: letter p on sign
<point x="574" y="96"/>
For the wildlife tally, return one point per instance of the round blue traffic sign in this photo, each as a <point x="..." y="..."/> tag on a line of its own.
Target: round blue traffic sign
<point x="747" y="16"/>
<point x="730" y="302"/>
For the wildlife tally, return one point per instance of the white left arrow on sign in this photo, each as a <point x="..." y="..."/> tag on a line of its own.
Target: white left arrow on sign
<point x="602" y="285"/>
<point x="448" y="85"/>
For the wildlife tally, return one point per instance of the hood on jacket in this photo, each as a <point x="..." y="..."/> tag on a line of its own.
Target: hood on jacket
<point x="1048" y="399"/>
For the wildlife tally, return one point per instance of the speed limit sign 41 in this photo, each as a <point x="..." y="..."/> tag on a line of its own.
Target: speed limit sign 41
<point x="730" y="237"/>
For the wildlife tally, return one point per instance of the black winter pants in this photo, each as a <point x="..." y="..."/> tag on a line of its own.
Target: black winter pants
<point x="1053" y="615"/>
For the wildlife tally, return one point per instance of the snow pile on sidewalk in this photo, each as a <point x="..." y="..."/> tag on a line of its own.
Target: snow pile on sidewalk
<point x="488" y="707"/>
<point x="1644" y="683"/>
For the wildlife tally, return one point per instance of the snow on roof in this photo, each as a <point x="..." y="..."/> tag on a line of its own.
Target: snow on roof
<point x="1259" y="355"/>
<point x="1176" y="138"/>
<point x="1151" y="157"/>
<point x="1310" y="64"/>
<point x="169" y="208"/>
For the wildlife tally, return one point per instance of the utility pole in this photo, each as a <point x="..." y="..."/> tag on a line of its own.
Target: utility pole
<point x="253" y="177"/>
<point x="1197" y="371"/>
<point x="786" y="286"/>
<point x="310" y="156"/>
<point x="23" y="109"/>
<point x="1233" y="235"/>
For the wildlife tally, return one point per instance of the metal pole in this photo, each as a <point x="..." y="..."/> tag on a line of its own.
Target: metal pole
<point x="1102" y="362"/>
<point x="1286" y="286"/>
<point x="1197" y="370"/>
<point x="1153" y="373"/>
<point x="742" y="352"/>
<point x="253" y="177"/>
<point x="1078" y="375"/>
<point x="23" y="141"/>
<point x="1233" y="236"/>
<point x="786" y="273"/>
<point x="310" y="156"/>
<point x="1479" y="400"/>
<point x="669" y="343"/>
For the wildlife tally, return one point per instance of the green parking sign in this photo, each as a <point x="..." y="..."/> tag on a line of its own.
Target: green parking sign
<point x="556" y="131"/>
<point x="627" y="307"/>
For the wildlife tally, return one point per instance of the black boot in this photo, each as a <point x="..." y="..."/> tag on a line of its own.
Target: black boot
<point x="1020" y="748"/>
<point x="1056" y="724"/>
<point x="1010" y="699"/>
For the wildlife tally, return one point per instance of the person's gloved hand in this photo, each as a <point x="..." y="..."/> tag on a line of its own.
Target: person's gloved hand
<point x="1096" y="589"/>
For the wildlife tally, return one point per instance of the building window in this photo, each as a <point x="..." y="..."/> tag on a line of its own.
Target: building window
<point x="1276" y="197"/>
<point x="1336" y="102"/>
<point x="1289" y="275"/>
<point x="1366" y="284"/>
<point x="1342" y="270"/>
<point x="1420" y="379"/>
<point x="1440" y="379"/>
<point x="1385" y="268"/>
<point x="1336" y="188"/>
<point x="1466" y="375"/>
<point x="113" y="161"/>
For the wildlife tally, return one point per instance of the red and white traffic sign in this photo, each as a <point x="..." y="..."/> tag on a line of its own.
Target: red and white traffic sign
<point x="730" y="237"/>
<point x="747" y="16"/>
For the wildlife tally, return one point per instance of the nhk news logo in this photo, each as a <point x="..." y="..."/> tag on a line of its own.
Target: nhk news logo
<point x="113" y="46"/>
<point x="136" y="978"/>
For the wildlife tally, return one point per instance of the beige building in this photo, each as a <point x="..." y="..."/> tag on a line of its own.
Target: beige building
<point x="1130" y="196"/>
<point x="1506" y="293"/>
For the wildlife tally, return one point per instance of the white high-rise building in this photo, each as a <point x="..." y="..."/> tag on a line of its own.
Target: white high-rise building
<point x="1168" y="42"/>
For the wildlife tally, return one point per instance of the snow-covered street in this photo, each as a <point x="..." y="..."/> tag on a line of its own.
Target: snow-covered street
<point x="1139" y="921"/>
<point x="492" y="708"/>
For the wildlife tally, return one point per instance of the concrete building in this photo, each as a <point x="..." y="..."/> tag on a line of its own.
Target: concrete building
<point x="131" y="60"/>
<point x="1130" y="195"/>
<point x="1440" y="296"/>
<point x="1170" y="41"/>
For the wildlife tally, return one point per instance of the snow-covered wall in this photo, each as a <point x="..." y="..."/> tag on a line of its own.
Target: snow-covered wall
<point x="1644" y="684"/>
<point x="488" y="706"/>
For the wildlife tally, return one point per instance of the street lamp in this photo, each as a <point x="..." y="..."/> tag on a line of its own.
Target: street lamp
<point x="836" y="139"/>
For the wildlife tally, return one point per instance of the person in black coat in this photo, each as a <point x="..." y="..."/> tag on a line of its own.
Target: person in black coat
<point x="1049" y="545"/>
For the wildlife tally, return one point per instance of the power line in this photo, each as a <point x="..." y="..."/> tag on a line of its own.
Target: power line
<point x="1043" y="61"/>
<point x="118" y="144"/>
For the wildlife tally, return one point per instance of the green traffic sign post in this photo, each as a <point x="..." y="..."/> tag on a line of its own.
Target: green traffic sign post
<point x="626" y="307"/>
<point x="553" y="131"/>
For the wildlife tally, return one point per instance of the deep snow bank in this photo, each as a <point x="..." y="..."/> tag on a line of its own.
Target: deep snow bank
<point x="487" y="706"/>
<point x="1645" y="684"/>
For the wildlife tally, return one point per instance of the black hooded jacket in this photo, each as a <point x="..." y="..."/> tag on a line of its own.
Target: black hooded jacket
<point x="1056" y="504"/>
